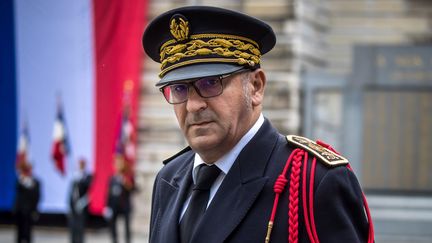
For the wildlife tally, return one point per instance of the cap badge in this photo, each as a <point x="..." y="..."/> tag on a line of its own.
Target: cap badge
<point x="179" y="27"/>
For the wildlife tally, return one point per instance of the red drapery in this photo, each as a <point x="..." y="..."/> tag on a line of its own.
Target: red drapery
<point x="118" y="28"/>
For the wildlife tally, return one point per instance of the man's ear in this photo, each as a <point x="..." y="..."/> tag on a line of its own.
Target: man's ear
<point x="258" y="81"/>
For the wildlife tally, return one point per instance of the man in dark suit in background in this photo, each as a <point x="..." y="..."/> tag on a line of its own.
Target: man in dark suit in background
<point x="119" y="203"/>
<point x="26" y="201"/>
<point x="78" y="203"/>
<point x="240" y="180"/>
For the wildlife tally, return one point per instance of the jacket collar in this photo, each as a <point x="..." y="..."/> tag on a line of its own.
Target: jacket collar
<point x="173" y="195"/>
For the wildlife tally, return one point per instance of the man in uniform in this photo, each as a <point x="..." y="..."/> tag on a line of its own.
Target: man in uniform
<point x="240" y="180"/>
<point x="121" y="186"/>
<point x="26" y="201"/>
<point x="78" y="203"/>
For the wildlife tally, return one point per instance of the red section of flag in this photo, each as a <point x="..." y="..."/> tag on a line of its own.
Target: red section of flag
<point x="58" y="155"/>
<point x="118" y="27"/>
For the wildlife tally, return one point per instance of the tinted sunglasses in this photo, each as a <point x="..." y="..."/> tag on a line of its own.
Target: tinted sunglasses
<point x="207" y="87"/>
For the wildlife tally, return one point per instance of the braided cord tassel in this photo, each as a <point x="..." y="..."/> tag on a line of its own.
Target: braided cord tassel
<point x="311" y="199"/>
<point x="307" y="213"/>
<point x="294" y="197"/>
<point x="278" y="187"/>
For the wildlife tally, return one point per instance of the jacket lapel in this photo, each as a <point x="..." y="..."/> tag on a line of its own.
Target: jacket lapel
<point x="175" y="193"/>
<point x="240" y="188"/>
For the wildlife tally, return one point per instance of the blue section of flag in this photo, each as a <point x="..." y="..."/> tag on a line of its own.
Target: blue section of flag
<point x="8" y="105"/>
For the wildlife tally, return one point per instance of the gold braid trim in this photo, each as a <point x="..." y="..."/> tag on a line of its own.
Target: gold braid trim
<point x="212" y="36"/>
<point x="235" y="49"/>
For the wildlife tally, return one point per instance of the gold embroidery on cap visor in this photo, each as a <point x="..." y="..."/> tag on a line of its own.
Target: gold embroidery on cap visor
<point x="209" y="48"/>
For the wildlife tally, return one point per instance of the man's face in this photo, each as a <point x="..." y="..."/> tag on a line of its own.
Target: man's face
<point x="212" y="126"/>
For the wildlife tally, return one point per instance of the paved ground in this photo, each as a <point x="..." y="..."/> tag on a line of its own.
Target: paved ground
<point x="60" y="235"/>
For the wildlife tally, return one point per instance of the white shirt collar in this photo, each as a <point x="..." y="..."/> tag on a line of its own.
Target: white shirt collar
<point x="225" y="162"/>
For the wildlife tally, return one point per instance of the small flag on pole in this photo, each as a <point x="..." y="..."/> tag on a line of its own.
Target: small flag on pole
<point x="125" y="145"/>
<point x="125" y="142"/>
<point x="23" y="146"/>
<point x="60" y="146"/>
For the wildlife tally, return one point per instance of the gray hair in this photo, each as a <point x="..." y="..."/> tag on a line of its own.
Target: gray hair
<point x="245" y="83"/>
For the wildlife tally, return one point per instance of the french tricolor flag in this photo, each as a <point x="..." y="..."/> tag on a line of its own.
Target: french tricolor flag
<point x="85" y="50"/>
<point x="60" y="146"/>
<point x="23" y="146"/>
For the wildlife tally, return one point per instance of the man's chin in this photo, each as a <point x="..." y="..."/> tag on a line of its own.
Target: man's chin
<point x="201" y="143"/>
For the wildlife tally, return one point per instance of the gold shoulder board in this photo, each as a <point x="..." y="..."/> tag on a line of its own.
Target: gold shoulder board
<point x="327" y="156"/>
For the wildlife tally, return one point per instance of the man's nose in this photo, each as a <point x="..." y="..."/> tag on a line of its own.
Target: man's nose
<point x="195" y="102"/>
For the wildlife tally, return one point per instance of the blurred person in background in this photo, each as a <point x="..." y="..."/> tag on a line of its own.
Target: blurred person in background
<point x="26" y="202"/>
<point x="78" y="202"/>
<point x="239" y="180"/>
<point x="121" y="186"/>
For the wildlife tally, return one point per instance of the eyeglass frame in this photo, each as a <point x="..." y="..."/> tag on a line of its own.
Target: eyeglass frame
<point x="220" y="78"/>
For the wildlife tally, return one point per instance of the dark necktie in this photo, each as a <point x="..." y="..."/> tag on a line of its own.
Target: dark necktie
<point x="200" y="196"/>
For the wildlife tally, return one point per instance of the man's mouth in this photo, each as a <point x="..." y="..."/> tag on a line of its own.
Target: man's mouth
<point x="201" y="123"/>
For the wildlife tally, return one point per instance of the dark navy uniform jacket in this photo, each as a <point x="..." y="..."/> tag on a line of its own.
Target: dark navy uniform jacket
<point x="27" y="197"/>
<point x="119" y="196"/>
<point x="80" y="187"/>
<point x="241" y="208"/>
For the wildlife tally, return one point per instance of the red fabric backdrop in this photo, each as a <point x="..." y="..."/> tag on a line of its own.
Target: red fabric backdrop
<point x="118" y="27"/>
